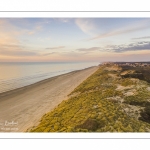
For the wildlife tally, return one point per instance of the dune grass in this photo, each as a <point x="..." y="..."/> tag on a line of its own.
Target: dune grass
<point x="92" y="107"/>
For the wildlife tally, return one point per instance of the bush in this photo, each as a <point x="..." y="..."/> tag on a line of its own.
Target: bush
<point x="89" y="124"/>
<point x="145" y="115"/>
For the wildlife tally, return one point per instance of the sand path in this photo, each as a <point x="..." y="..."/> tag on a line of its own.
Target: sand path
<point x="23" y="108"/>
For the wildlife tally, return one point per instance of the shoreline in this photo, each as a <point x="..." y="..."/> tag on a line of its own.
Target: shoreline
<point x="5" y="93"/>
<point x="26" y="105"/>
<point x="38" y="82"/>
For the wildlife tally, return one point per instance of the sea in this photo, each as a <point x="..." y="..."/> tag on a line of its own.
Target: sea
<point x="14" y="75"/>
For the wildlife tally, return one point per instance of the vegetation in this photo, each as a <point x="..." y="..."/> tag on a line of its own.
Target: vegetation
<point x="145" y="115"/>
<point x="141" y="73"/>
<point x="95" y="106"/>
<point x="139" y="99"/>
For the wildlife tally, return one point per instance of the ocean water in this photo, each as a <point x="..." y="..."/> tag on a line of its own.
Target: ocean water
<point x="15" y="75"/>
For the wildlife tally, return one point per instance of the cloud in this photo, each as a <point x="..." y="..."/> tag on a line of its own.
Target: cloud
<point x="47" y="54"/>
<point x="129" y="29"/>
<point x="39" y="27"/>
<point x="10" y="44"/>
<point x="42" y="21"/>
<point x="8" y="33"/>
<point x="15" y="50"/>
<point x="36" y="29"/>
<point x="139" y="46"/>
<point x="86" y="25"/>
<point x="11" y="47"/>
<point x="72" y="54"/>
<point x="144" y="37"/>
<point x="89" y="49"/>
<point x="31" y="32"/>
<point x="64" y="20"/>
<point x="17" y="53"/>
<point x="53" y="48"/>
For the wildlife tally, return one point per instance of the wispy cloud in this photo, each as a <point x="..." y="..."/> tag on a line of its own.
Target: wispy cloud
<point x="9" y="46"/>
<point x="139" y="46"/>
<point x="88" y="49"/>
<point x="144" y="37"/>
<point x="16" y="50"/>
<point x="11" y="34"/>
<point x="44" y="21"/>
<point x="36" y="29"/>
<point x="124" y="30"/>
<point x="17" y="53"/>
<point x="86" y="25"/>
<point x="73" y="54"/>
<point x="64" y="20"/>
<point x="8" y="33"/>
<point x="54" y="48"/>
<point x="31" y="32"/>
<point x="47" y="54"/>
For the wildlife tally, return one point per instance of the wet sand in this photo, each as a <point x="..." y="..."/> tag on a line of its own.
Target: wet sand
<point x="23" y="108"/>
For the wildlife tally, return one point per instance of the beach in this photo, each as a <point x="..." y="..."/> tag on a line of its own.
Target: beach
<point x="110" y="100"/>
<point x="22" y="108"/>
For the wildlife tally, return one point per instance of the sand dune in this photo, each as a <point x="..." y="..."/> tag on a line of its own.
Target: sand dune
<point x="23" y="108"/>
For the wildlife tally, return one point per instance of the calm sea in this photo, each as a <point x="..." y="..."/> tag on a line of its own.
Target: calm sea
<point x="15" y="75"/>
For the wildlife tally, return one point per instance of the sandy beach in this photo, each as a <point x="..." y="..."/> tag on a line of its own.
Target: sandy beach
<point x="23" y="108"/>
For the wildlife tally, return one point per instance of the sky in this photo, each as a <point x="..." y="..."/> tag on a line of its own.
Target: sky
<point x="74" y="39"/>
